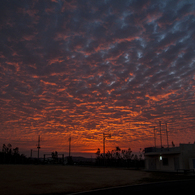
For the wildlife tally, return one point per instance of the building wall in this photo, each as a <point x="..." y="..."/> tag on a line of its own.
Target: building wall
<point x="192" y="163"/>
<point x="182" y="160"/>
<point x="154" y="163"/>
<point x="187" y="152"/>
<point x="150" y="163"/>
<point x="170" y="166"/>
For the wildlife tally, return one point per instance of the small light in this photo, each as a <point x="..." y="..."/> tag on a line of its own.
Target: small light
<point x="160" y="158"/>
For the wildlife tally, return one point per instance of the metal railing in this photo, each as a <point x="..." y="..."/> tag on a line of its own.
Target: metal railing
<point x="159" y="149"/>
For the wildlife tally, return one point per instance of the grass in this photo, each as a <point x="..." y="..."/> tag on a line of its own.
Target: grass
<point x="48" y="179"/>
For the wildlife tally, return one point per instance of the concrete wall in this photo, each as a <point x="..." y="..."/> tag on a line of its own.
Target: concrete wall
<point x="154" y="163"/>
<point x="187" y="152"/>
<point x="175" y="161"/>
<point x="171" y="163"/>
<point x="192" y="163"/>
<point x="150" y="163"/>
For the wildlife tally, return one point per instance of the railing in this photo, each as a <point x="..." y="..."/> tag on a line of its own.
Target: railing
<point x="156" y="149"/>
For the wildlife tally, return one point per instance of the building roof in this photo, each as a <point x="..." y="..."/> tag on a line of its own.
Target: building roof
<point x="152" y="151"/>
<point x="158" y="151"/>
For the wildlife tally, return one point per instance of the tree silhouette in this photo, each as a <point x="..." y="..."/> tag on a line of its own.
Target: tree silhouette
<point x="54" y="155"/>
<point x="16" y="150"/>
<point x="4" y="148"/>
<point x="98" y="153"/>
<point x="117" y="152"/>
<point x="9" y="155"/>
<point x="9" y="146"/>
<point x="7" y="149"/>
<point x="122" y="158"/>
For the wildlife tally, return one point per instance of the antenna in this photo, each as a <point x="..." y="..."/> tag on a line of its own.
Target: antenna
<point x="38" y="147"/>
<point x="167" y="136"/>
<point x="160" y="134"/>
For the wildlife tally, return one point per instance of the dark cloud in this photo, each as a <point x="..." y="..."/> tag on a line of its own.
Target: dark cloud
<point x="89" y="67"/>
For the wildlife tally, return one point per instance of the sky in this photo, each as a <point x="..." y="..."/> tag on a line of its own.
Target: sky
<point x="82" y="68"/>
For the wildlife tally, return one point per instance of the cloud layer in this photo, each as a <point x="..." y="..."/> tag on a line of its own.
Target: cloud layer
<point x="87" y="67"/>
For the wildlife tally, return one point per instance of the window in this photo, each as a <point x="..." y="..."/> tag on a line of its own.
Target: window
<point x="165" y="161"/>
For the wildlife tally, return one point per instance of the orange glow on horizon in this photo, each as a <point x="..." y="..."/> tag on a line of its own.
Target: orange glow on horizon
<point x="106" y="69"/>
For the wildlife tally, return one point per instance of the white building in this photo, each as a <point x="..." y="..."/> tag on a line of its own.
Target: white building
<point x="173" y="159"/>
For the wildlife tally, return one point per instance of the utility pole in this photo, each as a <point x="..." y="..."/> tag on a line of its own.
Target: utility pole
<point x="69" y="146"/>
<point x="38" y="147"/>
<point x="167" y="136"/>
<point x="160" y="134"/>
<point x="154" y="138"/>
<point x="104" y="137"/>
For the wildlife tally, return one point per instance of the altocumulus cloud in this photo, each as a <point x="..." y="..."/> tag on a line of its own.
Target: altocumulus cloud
<point x="88" y="67"/>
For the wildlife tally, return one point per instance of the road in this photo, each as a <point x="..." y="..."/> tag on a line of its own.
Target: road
<point x="184" y="186"/>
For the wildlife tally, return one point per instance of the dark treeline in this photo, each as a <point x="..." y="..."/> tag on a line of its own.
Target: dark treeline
<point x="120" y="158"/>
<point x="11" y="155"/>
<point x="114" y="158"/>
<point x="56" y="159"/>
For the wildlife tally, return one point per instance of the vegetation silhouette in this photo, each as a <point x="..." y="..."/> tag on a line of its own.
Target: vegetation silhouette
<point x="120" y="158"/>
<point x="60" y="160"/>
<point x="12" y="156"/>
<point x="114" y="158"/>
<point x="54" y="156"/>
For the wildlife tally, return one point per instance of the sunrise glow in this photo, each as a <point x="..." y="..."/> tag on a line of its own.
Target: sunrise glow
<point x="84" y="68"/>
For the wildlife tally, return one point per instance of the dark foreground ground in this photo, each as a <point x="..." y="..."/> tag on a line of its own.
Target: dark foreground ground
<point x="173" y="187"/>
<point x="60" y="180"/>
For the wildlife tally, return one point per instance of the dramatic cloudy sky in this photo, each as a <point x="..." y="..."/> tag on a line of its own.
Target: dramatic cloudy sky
<point x="88" y="67"/>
